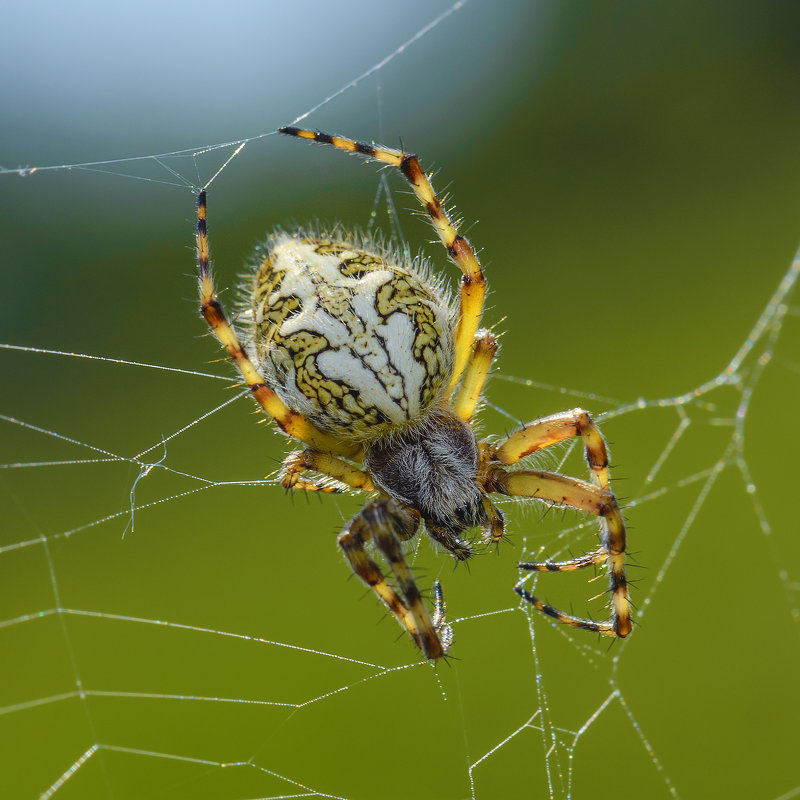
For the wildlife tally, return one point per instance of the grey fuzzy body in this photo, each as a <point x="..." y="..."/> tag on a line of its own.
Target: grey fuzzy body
<point x="431" y="466"/>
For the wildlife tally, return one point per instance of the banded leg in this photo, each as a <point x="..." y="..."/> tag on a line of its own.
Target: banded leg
<point x="295" y="464"/>
<point x="559" y="489"/>
<point x="483" y="352"/>
<point x="290" y="422"/>
<point x="579" y="562"/>
<point x="473" y="282"/>
<point x="386" y="523"/>
<point x="549" y="431"/>
<point x="603" y="628"/>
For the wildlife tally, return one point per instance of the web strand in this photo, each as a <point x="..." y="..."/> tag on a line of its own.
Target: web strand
<point x="238" y="145"/>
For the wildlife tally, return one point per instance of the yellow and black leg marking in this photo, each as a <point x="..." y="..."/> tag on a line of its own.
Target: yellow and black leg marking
<point x="557" y="428"/>
<point x="386" y="523"/>
<point x="557" y="489"/>
<point x="473" y="282"/>
<point x="299" y="462"/>
<point x="579" y="562"/>
<point x="290" y="422"/>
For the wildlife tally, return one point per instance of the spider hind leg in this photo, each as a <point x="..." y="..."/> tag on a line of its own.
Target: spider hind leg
<point x="603" y="628"/>
<point x="555" y="489"/>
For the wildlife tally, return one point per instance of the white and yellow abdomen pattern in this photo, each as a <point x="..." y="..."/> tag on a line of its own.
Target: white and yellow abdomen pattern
<point x="354" y="339"/>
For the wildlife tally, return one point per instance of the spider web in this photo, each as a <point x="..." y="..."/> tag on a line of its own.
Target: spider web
<point x="175" y="626"/>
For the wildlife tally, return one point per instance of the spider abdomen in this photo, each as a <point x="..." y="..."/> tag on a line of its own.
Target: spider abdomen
<point x="356" y="340"/>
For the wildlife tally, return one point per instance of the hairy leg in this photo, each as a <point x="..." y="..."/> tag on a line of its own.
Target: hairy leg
<point x="295" y="464"/>
<point x="473" y="282"/>
<point x="290" y="422"/>
<point x="561" y="490"/>
<point x="386" y="523"/>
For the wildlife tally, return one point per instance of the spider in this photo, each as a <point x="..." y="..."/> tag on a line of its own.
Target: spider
<point x="357" y="353"/>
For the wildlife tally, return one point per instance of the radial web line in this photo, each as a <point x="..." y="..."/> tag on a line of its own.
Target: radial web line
<point x="237" y="144"/>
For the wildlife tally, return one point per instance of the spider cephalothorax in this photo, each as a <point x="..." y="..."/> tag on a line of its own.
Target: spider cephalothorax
<point x="357" y="352"/>
<point x="433" y="467"/>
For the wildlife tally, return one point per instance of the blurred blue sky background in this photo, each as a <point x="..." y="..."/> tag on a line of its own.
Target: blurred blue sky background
<point x="630" y="172"/>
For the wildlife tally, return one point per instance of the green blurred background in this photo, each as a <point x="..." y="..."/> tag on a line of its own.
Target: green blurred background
<point x="632" y="175"/>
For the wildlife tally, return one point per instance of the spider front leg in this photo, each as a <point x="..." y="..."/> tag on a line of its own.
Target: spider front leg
<point x="557" y="489"/>
<point x="548" y="431"/>
<point x="290" y="422"/>
<point x="386" y="523"/>
<point x="295" y="464"/>
<point x="473" y="282"/>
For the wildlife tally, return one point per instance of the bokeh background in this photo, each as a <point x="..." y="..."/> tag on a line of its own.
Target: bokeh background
<point x="632" y="175"/>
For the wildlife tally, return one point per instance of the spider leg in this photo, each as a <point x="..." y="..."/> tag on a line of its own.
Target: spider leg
<point x="295" y="464"/>
<point x="386" y="523"/>
<point x="290" y="422"/>
<point x="473" y="282"/>
<point x="603" y="628"/>
<point x="557" y="489"/>
<point x="483" y="352"/>
<point x="579" y="562"/>
<point x="550" y="430"/>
